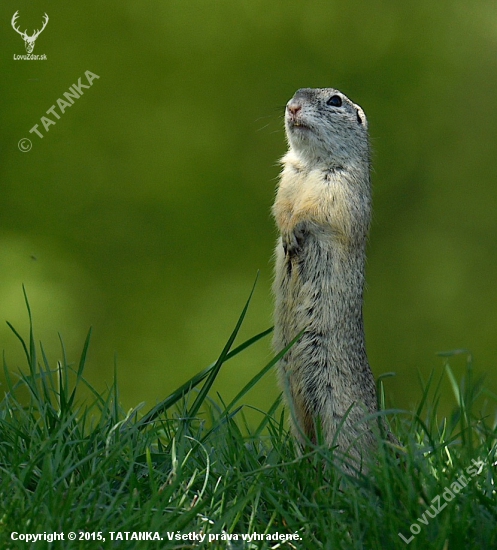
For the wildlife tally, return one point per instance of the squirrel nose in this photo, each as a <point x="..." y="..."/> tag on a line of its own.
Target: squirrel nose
<point x="293" y="107"/>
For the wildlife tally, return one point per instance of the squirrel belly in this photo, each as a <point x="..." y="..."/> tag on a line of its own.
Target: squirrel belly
<point x="323" y="211"/>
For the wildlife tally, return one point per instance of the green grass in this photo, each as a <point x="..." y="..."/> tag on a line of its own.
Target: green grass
<point x="194" y="465"/>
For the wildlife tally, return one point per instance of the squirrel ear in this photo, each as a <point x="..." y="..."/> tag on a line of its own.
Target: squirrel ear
<point x="359" y="119"/>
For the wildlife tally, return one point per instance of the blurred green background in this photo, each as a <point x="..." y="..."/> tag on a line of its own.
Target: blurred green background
<point x="145" y="210"/>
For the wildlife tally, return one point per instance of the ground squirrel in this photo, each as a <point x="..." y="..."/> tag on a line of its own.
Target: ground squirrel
<point x="323" y="213"/>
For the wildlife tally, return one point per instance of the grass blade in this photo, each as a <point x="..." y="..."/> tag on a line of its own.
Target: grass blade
<point x="185" y="388"/>
<point x="263" y="372"/>
<point x="222" y="358"/>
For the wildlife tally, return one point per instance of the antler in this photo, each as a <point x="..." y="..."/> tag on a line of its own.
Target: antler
<point x="23" y="34"/>
<point x="29" y="41"/>
<point x="36" y="33"/>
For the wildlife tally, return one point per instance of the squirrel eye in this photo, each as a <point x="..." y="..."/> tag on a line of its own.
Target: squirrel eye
<point x="335" y="101"/>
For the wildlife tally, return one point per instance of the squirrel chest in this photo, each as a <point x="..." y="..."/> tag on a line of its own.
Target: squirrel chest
<point x="324" y="200"/>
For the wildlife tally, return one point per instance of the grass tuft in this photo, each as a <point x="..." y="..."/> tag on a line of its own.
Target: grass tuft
<point x="193" y="465"/>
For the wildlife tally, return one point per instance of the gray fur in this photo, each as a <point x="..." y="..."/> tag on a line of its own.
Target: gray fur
<point x="323" y="213"/>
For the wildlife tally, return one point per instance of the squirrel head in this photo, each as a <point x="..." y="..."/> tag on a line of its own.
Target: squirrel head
<point x="324" y="127"/>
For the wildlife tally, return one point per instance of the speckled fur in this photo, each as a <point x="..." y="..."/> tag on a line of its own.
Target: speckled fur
<point x="323" y="212"/>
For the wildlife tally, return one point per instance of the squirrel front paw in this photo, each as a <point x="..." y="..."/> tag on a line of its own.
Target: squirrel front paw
<point x="294" y="240"/>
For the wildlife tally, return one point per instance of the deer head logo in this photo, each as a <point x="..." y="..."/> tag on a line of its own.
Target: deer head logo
<point x="29" y="41"/>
